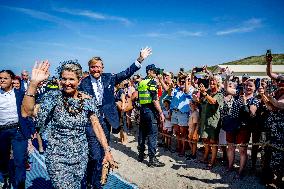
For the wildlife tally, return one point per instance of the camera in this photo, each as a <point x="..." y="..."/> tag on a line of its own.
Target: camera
<point x="159" y="71"/>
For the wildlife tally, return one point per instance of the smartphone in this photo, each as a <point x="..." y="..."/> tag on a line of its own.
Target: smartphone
<point x="198" y="69"/>
<point x="269" y="86"/>
<point x="205" y="82"/>
<point x="268" y="53"/>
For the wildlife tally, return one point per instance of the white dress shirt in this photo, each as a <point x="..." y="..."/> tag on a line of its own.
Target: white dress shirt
<point x="8" y="107"/>
<point x="98" y="93"/>
<point x="26" y="84"/>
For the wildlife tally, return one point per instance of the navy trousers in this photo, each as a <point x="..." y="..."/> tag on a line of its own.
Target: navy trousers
<point x="14" y="138"/>
<point x="96" y="154"/>
<point x="148" y="129"/>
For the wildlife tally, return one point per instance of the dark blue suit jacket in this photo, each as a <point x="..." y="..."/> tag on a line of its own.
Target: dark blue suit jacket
<point x="26" y="124"/>
<point x="109" y="81"/>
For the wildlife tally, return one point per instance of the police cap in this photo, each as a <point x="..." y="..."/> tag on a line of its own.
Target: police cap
<point x="151" y="67"/>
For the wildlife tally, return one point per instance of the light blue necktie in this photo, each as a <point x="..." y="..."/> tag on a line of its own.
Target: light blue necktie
<point x="100" y="92"/>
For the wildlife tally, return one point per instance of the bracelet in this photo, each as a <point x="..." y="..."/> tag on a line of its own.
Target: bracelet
<point x="204" y="94"/>
<point x="30" y="95"/>
<point x="140" y="60"/>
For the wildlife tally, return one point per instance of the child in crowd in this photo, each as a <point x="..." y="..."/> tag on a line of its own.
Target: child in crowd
<point x="193" y="129"/>
<point x="167" y="128"/>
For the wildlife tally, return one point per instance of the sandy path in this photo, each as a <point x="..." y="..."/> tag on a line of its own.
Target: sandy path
<point x="178" y="172"/>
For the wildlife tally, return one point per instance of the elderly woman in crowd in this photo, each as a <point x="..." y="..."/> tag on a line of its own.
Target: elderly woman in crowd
<point x="17" y="82"/>
<point x="65" y="114"/>
<point x="212" y="101"/>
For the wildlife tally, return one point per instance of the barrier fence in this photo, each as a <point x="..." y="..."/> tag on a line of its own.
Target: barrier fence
<point x="262" y="144"/>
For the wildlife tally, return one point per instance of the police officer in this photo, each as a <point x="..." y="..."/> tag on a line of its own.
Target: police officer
<point x="150" y="110"/>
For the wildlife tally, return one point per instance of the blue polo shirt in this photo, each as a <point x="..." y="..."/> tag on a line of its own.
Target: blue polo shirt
<point x="181" y="100"/>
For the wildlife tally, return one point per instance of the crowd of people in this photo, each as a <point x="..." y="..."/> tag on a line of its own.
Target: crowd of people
<point x="76" y="112"/>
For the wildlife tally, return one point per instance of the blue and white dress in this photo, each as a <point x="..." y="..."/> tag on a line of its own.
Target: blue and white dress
<point x="67" y="150"/>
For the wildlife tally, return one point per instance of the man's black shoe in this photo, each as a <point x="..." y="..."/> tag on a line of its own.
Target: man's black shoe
<point x="141" y="157"/>
<point x="154" y="162"/>
<point x="161" y="144"/>
<point x="190" y="157"/>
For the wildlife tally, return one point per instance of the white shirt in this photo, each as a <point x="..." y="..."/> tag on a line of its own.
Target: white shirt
<point x="95" y="83"/>
<point x="167" y="123"/>
<point x="194" y="118"/>
<point x="26" y="84"/>
<point x="8" y="107"/>
<point x="99" y="96"/>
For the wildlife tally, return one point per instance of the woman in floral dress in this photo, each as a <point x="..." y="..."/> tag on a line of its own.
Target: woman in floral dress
<point x="64" y="114"/>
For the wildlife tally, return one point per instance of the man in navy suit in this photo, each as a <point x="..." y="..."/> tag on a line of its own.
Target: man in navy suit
<point x="24" y="80"/>
<point x="13" y="131"/>
<point x="101" y="86"/>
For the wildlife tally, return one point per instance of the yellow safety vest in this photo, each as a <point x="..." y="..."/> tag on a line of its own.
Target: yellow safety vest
<point x="143" y="92"/>
<point x="52" y="86"/>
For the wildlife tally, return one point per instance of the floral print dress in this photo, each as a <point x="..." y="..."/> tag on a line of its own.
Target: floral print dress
<point x="67" y="150"/>
<point x="275" y="123"/>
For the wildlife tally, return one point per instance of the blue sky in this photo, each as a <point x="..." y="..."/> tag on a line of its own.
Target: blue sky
<point x="181" y="33"/>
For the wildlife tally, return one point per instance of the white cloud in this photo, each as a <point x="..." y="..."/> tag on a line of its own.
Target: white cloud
<point x="246" y="26"/>
<point x="177" y="34"/>
<point x="185" y="33"/>
<point x="93" y="15"/>
<point x="37" y="14"/>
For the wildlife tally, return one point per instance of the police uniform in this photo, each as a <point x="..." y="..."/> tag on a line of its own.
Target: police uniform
<point x="148" y="129"/>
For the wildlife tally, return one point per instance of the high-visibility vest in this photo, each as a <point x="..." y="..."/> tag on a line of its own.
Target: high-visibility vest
<point x="51" y="86"/>
<point x="143" y="92"/>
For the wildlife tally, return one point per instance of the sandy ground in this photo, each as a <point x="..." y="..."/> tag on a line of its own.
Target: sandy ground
<point x="178" y="172"/>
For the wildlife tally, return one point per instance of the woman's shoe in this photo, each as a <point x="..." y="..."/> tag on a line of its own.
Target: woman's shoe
<point x="209" y="166"/>
<point x="190" y="157"/>
<point x="203" y="161"/>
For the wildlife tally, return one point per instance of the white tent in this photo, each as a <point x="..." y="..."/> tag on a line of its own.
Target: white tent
<point x="253" y="71"/>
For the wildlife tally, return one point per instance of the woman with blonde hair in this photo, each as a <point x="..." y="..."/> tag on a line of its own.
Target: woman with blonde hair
<point x="212" y="101"/>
